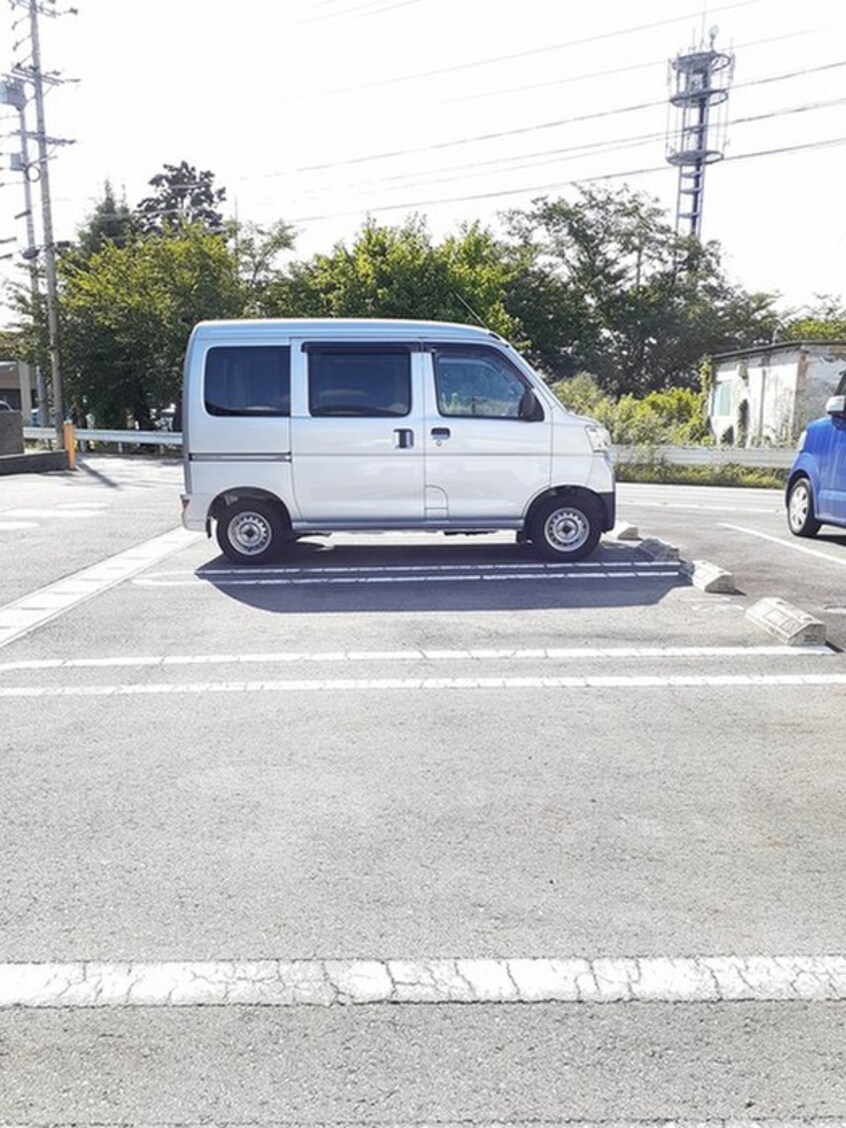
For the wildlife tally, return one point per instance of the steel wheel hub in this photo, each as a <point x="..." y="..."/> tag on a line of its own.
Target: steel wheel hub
<point x="250" y="533"/>
<point x="566" y="529"/>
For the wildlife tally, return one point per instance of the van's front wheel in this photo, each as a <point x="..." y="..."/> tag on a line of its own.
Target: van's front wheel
<point x="566" y="528"/>
<point x="251" y="531"/>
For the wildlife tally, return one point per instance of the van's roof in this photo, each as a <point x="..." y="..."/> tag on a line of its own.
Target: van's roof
<point x="349" y="327"/>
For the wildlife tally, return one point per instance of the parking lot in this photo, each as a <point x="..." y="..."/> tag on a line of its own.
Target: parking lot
<point x="286" y="823"/>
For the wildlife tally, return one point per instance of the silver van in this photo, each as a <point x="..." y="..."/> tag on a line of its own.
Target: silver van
<point x="315" y="426"/>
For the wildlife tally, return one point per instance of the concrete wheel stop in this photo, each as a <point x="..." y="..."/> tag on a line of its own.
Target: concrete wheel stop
<point x="787" y="623"/>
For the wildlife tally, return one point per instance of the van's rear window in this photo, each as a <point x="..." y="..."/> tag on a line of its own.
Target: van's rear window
<point x="248" y="380"/>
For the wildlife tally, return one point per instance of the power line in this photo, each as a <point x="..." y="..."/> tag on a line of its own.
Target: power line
<point x="526" y="190"/>
<point x="612" y="72"/>
<point x="538" y="50"/>
<point x="369" y="8"/>
<point x="571" y="152"/>
<point x="497" y="135"/>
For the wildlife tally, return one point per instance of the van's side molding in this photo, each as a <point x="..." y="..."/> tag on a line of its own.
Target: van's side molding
<point x="282" y="457"/>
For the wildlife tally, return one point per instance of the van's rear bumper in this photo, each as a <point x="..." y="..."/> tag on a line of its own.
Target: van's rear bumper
<point x="195" y="513"/>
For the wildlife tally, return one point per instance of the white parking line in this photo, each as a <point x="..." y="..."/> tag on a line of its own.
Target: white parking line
<point x="475" y="654"/>
<point x="636" y="502"/>
<point x="746" y="682"/>
<point x="840" y="560"/>
<point x="60" y="511"/>
<point x="309" y="982"/>
<point x="29" y="612"/>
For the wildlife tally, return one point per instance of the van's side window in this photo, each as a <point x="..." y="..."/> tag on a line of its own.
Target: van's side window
<point x="248" y="380"/>
<point x="360" y="381"/>
<point x="476" y="381"/>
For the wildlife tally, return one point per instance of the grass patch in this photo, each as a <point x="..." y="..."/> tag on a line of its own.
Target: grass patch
<point x="731" y="474"/>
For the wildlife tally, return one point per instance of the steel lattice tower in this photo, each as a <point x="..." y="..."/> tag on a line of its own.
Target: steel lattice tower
<point x="702" y="80"/>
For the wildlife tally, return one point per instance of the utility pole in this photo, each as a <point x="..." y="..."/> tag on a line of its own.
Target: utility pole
<point x="34" y="75"/>
<point x="12" y="93"/>
<point x="47" y="230"/>
<point x="702" y="80"/>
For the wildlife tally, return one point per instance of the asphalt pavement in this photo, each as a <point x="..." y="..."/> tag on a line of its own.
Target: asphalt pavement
<point x="414" y="830"/>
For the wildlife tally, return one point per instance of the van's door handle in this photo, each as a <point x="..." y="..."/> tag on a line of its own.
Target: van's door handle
<point x="440" y="433"/>
<point x="403" y="438"/>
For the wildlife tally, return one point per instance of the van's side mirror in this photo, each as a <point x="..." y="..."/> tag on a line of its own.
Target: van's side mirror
<point x="530" y="407"/>
<point x="836" y="405"/>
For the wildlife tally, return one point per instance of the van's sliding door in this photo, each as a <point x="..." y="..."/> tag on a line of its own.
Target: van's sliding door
<point x="356" y="439"/>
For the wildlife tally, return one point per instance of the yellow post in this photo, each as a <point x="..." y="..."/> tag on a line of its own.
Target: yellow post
<point x="70" y="445"/>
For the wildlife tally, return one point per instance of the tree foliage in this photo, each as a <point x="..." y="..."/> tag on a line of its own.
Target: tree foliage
<point x="599" y="283"/>
<point x="258" y="249"/>
<point x="110" y="222"/>
<point x="671" y="416"/>
<point x="182" y="195"/>
<point x="397" y="272"/>
<point x="126" y="315"/>
<point x="825" y="320"/>
<point x="614" y="291"/>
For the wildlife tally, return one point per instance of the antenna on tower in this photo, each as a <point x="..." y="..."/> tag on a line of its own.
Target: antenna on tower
<point x="702" y="80"/>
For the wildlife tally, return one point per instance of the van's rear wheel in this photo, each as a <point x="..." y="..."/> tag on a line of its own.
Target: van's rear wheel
<point x="251" y="531"/>
<point x="566" y="528"/>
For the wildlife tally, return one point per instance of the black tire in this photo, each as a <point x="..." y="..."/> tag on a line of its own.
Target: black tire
<point x="567" y="527"/>
<point x="251" y="531"/>
<point x="800" y="509"/>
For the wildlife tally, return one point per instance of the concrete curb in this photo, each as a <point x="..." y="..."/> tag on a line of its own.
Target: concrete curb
<point x="35" y="462"/>
<point x="787" y="623"/>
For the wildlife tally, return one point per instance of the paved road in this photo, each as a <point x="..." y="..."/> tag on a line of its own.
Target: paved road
<point x="746" y="532"/>
<point x="582" y="815"/>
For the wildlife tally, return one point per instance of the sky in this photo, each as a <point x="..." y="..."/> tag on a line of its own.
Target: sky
<point x="325" y="112"/>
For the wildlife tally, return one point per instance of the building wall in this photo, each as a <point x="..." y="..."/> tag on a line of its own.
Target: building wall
<point x="11" y="433"/>
<point x="768" y="397"/>
<point x="22" y="395"/>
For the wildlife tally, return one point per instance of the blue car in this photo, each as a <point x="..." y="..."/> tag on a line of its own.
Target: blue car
<point x="816" y="486"/>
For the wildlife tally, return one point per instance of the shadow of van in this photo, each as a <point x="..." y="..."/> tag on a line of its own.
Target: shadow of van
<point x="353" y="574"/>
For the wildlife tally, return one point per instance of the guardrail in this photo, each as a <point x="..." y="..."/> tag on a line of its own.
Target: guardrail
<point x="770" y="457"/>
<point x="85" y="435"/>
<point x="765" y="457"/>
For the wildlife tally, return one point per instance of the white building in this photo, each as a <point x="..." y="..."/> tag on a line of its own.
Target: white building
<point x="765" y="396"/>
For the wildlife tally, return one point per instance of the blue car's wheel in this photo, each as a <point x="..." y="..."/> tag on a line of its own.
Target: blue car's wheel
<point x="800" y="509"/>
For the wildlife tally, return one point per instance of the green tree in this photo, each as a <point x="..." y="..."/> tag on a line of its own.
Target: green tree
<point x="825" y="320"/>
<point x="258" y="249"/>
<point x="110" y="222"/>
<point x="616" y="292"/>
<point x="675" y="415"/>
<point x="126" y="313"/>
<point x="396" y="272"/>
<point x="12" y="345"/>
<point x="182" y="196"/>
